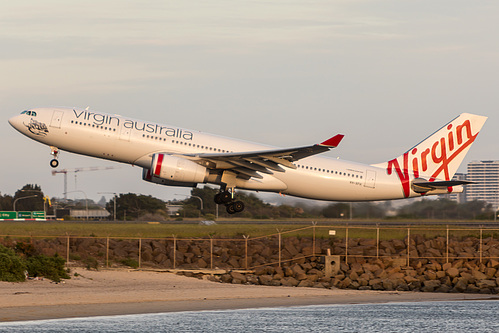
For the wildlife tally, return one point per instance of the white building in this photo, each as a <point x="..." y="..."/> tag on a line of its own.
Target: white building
<point x="459" y="197"/>
<point x="485" y="176"/>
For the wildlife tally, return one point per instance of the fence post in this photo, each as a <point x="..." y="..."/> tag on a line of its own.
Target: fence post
<point x="107" y="252"/>
<point x="377" y="241"/>
<point x="481" y="242"/>
<point x="67" y="249"/>
<point x="447" y="247"/>
<point x="346" y="245"/>
<point x="313" y="238"/>
<point x="140" y="254"/>
<point x="174" y="251"/>
<point x="246" y="251"/>
<point x="211" y="252"/>
<point x="408" y="244"/>
<point x="279" y="247"/>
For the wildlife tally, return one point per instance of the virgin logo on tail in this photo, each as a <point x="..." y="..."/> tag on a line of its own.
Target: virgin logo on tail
<point x="439" y="156"/>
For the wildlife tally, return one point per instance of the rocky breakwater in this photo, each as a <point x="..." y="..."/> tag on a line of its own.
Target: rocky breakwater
<point x="464" y="264"/>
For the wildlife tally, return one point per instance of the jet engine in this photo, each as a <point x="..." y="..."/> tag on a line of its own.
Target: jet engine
<point x="176" y="171"/>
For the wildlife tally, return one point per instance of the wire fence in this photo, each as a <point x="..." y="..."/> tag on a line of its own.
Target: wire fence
<point x="444" y="244"/>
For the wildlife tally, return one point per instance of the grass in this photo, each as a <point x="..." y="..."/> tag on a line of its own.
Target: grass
<point x="144" y="230"/>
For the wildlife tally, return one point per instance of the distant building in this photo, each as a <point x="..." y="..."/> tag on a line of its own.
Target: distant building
<point x="485" y="176"/>
<point x="173" y="210"/>
<point x="93" y="214"/>
<point x="455" y="196"/>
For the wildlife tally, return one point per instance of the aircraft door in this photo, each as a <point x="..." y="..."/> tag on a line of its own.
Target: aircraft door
<point x="56" y="119"/>
<point x="125" y="133"/>
<point x="370" y="179"/>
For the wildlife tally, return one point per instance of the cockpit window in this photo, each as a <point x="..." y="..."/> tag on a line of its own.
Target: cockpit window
<point x="29" y="113"/>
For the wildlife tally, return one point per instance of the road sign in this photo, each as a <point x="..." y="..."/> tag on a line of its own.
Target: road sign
<point x="38" y="215"/>
<point x="8" y="215"/>
<point x="23" y="215"/>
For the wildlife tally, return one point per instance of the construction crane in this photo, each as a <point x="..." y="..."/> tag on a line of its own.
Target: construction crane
<point x="66" y="171"/>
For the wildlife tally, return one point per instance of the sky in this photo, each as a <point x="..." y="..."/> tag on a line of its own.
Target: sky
<point x="386" y="73"/>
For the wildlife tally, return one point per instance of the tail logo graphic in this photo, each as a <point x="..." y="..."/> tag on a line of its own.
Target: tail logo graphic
<point x="433" y="157"/>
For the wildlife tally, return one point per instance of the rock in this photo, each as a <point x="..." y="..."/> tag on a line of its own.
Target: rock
<point x="212" y="278"/>
<point x="261" y="270"/>
<point x="306" y="283"/>
<point x="297" y="270"/>
<point x="489" y="284"/>
<point x="238" y="276"/>
<point x="353" y="276"/>
<point x="160" y="258"/>
<point x="345" y="283"/>
<point x="277" y="276"/>
<point x="233" y="262"/>
<point x="265" y="280"/>
<point x="430" y="285"/>
<point x="461" y="285"/>
<point x="376" y="284"/>
<point x="289" y="281"/>
<point x="478" y="275"/>
<point x="443" y="289"/>
<point x="452" y="272"/>
<point x="490" y="272"/>
<point x="472" y="289"/>
<point x="494" y="263"/>
<point x="288" y="271"/>
<point x="226" y="278"/>
<point x="201" y="263"/>
<point x="388" y="284"/>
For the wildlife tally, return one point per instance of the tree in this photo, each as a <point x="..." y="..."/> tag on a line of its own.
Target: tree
<point x="445" y="209"/>
<point x="34" y="203"/>
<point x="6" y="202"/>
<point x="135" y="206"/>
<point x="337" y="210"/>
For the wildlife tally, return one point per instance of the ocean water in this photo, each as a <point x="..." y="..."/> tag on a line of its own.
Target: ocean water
<point x="458" y="316"/>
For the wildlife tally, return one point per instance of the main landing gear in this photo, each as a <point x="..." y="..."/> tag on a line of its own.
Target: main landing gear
<point x="54" y="151"/>
<point x="227" y="198"/>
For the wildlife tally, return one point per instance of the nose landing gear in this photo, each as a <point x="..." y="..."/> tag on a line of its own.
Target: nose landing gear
<point x="54" y="151"/>
<point x="227" y="198"/>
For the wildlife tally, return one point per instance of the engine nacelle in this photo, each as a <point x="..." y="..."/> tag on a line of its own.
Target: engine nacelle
<point x="148" y="177"/>
<point x="177" y="170"/>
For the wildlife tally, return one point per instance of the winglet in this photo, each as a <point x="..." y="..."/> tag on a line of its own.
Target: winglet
<point x="334" y="141"/>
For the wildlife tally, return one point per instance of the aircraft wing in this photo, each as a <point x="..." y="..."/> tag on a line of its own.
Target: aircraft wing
<point x="248" y="164"/>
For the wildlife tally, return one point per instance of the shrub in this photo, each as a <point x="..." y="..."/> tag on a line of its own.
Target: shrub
<point x="12" y="267"/>
<point x="50" y="267"/>
<point x="130" y="262"/>
<point x="91" y="263"/>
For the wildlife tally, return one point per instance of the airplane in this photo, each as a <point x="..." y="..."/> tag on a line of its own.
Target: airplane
<point x="174" y="156"/>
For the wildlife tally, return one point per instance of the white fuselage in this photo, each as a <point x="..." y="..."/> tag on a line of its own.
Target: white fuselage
<point x="131" y="141"/>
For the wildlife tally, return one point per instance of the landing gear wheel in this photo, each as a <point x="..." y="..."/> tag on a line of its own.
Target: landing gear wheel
<point x="231" y="209"/>
<point x="54" y="163"/>
<point x="238" y="206"/>
<point x="223" y="197"/>
<point x="217" y="199"/>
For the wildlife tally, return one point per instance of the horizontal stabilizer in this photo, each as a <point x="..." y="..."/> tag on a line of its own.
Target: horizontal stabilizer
<point x="422" y="186"/>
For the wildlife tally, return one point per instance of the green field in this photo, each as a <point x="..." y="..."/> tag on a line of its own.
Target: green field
<point x="225" y="230"/>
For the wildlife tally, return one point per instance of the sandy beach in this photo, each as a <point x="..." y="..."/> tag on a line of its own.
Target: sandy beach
<point x="116" y="292"/>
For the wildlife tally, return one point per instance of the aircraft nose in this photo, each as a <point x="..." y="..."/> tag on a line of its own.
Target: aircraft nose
<point x="15" y="122"/>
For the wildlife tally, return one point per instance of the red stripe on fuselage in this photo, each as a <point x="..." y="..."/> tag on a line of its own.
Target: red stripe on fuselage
<point x="157" y="170"/>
